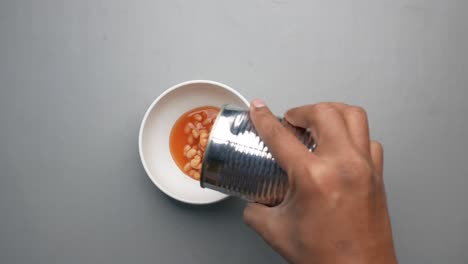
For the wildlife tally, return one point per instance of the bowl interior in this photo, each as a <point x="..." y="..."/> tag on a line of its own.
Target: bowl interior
<point x="155" y="131"/>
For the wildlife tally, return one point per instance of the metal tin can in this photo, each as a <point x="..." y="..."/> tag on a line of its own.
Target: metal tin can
<point x="237" y="162"/>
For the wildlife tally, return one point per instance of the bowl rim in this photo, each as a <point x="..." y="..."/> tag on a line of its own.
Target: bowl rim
<point x="143" y="123"/>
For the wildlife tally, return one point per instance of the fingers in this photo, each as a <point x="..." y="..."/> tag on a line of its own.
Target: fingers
<point x="325" y="121"/>
<point x="333" y="124"/>
<point x="377" y="156"/>
<point x="259" y="217"/>
<point x="282" y="144"/>
<point x="358" y="127"/>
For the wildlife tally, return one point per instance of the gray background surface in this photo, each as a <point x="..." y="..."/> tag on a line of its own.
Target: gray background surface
<point x="77" y="76"/>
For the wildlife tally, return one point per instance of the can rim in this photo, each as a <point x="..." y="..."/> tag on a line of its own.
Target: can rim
<point x="208" y="146"/>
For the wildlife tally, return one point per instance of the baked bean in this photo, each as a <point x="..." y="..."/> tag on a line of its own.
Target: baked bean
<point x="187" y="167"/>
<point x="197" y="117"/>
<point x="187" y="148"/>
<point x="206" y="121"/>
<point x="195" y="133"/>
<point x="187" y="129"/>
<point x="194" y="162"/>
<point x="191" y="153"/>
<point x="191" y="173"/>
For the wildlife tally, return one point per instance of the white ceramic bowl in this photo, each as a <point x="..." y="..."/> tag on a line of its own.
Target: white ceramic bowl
<point x="153" y="141"/>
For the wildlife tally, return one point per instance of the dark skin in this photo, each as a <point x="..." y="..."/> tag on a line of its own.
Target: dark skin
<point x="335" y="210"/>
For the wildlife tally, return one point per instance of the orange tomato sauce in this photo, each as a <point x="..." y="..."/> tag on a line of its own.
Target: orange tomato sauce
<point x="189" y="137"/>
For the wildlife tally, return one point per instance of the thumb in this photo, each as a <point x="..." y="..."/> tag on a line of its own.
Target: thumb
<point x="259" y="217"/>
<point x="283" y="145"/>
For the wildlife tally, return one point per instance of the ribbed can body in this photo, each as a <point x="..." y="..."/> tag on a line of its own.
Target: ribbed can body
<point x="237" y="162"/>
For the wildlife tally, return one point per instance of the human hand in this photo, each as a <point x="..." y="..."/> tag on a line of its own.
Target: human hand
<point x="335" y="210"/>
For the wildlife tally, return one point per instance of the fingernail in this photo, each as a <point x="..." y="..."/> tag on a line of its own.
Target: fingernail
<point x="257" y="103"/>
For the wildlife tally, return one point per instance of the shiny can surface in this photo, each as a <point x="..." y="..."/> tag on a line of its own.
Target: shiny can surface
<point x="237" y="162"/>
